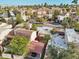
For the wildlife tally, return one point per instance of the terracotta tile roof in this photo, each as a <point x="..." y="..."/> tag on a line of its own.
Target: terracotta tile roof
<point x="36" y="47"/>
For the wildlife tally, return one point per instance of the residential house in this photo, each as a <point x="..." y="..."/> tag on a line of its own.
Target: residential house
<point x="73" y="13"/>
<point x="41" y="12"/>
<point x="23" y="32"/>
<point x="9" y="16"/>
<point x="60" y="18"/>
<point x="76" y="18"/>
<point x="27" y="25"/>
<point x="24" y="17"/>
<point x="58" y="41"/>
<point x="36" y="49"/>
<point x="4" y="30"/>
<point x="71" y="36"/>
<point x="44" y="29"/>
<point x="49" y="16"/>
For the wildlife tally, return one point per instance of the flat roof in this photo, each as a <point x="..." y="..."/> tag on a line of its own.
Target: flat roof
<point x="4" y="30"/>
<point x="59" y="41"/>
<point x="72" y="36"/>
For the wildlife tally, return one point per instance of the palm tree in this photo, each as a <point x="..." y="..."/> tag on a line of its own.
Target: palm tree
<point x="75" y="2"/>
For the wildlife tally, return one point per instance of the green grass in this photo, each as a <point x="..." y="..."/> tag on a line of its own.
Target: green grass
<point x="34" y="26"/>
<point x="3" y="58"/>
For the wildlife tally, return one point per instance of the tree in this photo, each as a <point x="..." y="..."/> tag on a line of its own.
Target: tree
<point x="75" y="2"/>
<point x="65" y="23"/>
<point x="34" y="15"/>
<point x="46" y="39"/>
<point x="76" y="27"/>
<point x="65" y="5"/>
<point x="0" y="53"/>
<point x="42" y="4"/>
<point x="18" y="45"/>
<point x="71" y="53"/>
<point x="45" y="4"/>
<point x="34" y="26"/>
<point x="52" y="52"/>
<point x="68" y="9"/>
<point x="68" y="22"/>
<point x="53" y="31"/>
<point x="18" y="18"/>
<point x="25" y="25"/>
<point x="41" y="20"/>
<point x="55" y="14"/>
<point x="61" y="5"/>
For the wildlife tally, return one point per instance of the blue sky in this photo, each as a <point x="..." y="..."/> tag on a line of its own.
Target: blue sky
<point x="32" y="2"/>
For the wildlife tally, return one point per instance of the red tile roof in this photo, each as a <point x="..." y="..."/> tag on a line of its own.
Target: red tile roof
<point x="36" y="47"/>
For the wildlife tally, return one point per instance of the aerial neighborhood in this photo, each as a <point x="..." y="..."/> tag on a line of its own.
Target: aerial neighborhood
<point x="39" y="31"/>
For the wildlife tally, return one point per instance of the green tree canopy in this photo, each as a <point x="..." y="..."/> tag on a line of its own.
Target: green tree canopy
<point x="46" y="38"/>
<point x="45" y="4"/>
<point x="75" y="1"/>
<point x="34" y="26"/>
<point x="18" y="45"/>
<point x="55" y="14"/>
<point x="71" y="53"/>
<point x="19" y="18"/>
<point x="77" y="27"/>
<point x="68" y="22"/>
<point x="3" y="58"/>
<point x="41" y="20"/>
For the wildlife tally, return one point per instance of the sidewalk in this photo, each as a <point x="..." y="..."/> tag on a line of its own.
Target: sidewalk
<point x="9" y="56"/>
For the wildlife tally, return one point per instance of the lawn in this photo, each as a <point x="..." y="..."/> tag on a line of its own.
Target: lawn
<point x="34" y="26"/>
<point x="3" y="58"/>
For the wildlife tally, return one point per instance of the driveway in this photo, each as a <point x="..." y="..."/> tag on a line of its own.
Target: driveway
<point x="9" y="56"/>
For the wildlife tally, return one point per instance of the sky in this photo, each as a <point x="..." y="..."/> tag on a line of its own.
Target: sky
<point x="33" y="2"/>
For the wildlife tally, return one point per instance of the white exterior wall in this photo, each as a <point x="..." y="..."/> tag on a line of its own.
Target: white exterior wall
<point x="24" y="17"/>
<point x="44" y="29"/>
<point x="30" y="25"/>
<point x="4" y="30"/>
<point x="33" y="36"/>
<point x="61" y="18"/>
<point x="12" y="14"/>
<point x="3" y="34"/>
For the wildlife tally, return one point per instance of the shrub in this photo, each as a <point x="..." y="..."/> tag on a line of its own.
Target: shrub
<point x="34" y="26"/>
<point x="18" y="45"/>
